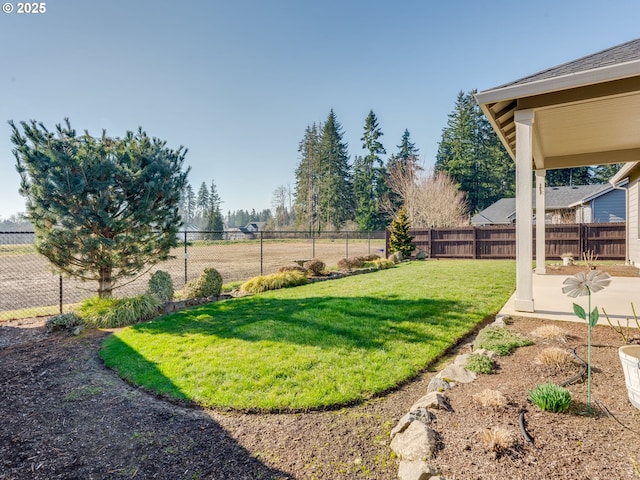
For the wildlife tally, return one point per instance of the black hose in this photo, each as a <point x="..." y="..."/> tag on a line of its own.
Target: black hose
<point x="580" y="375"/>
<point x="523" y="429"/>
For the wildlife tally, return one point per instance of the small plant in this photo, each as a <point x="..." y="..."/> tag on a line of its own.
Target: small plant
<point x="550" y="332"/>
<point x="315" y="266"/>
<point x="500" y="340"/>
<point x="554" y="356"/>
<point x="63" y="321"/>
<point x="383" y="264"/>
<point x="626" y="333"/>
<point x="349" y="264"/>
<point x="209" y="284"/>
<point x="480" y="364"/>
<point x="274" y="281"/>
<point x="113" y="313"/>
<point x="370" y="258"/>
<point x="589" y="258"/>
<point x="161" y="285"/>
<point x="292" y="268"/>
<point x="491" y="398"/>
<point x="550" y="397"/>
<point x="496" y="439"/>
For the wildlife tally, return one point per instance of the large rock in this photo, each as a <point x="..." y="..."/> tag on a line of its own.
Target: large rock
<point x="415" y="470"/>
<point x="456" y="373"/>
<point x="433" y="400"/>
<point x="417" y="442"/>
<point x="421" y="415"/>
<point x="438" y="384"/>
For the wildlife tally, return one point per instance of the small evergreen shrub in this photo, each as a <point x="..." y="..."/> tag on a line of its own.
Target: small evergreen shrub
<point x="161" y="285"/>
<point x="500" y="340"/>
<point x="63" y="321"/>
<point x="315" y="266"/>
<point x="480" y="364"/>
<point x="399" y="239"/>
<point x="209" y="284"/>
<point x="550" y="397"/>
<point x="274" y="281"/>
<point x="113" y="313"/>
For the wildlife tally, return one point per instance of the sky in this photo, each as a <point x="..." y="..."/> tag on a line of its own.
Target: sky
<point x="238" y="81"/>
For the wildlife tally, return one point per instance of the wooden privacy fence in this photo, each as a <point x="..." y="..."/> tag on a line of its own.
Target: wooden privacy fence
<point x="607" y="240"/>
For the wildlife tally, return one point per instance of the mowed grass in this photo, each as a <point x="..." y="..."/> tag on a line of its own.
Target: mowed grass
<point x="315" y="346"/>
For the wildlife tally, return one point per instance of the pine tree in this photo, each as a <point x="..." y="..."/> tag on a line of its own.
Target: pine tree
<point x="471" y="153"/>
<point x="399" y="239"/>
<point x="403" y="164"/>
<point x="102" y="208"/>
<point x="307" y="179"/>
<point x="335" y="195"/>
<point x="603" y="173"/>
<point x="202" y="203"/>
<point x="213" y="218"/>
<point x="368" y="178"/>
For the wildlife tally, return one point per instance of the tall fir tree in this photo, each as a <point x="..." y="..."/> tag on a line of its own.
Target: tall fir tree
<point x="202" y="204"/>
<point x="214" y="223"/>
<point x="368" y="178"/>
<point x="405" y="163"/>
<point x="603" y="173"/>
<point x="308" y="179"/>
<point x="335" y="195"/>
<point x="471" y="153"/>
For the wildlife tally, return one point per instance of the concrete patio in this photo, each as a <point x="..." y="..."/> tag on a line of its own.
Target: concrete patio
<point x="550" y="303"/>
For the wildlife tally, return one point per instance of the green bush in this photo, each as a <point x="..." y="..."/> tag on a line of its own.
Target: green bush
<point x="292" y="268"/>
<point x="161" y="285"/>
<point x="480" y="364"/>
<point x="209" y="284"/>
<point x="62" y="321"/>
<point x="500" y="340"/>
<point x="350" y="263"/>
<point x="383" y="264"/>
<point x="274" y="281"/>
<point x="315" y="266"/>
<point x="112" y="312"/>
<point x="371" y="258"/>
<point x="550" y="397"/>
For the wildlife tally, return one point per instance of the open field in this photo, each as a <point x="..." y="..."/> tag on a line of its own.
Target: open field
<point x="27" y="281"/>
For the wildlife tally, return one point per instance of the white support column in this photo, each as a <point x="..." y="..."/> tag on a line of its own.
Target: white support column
<point x="540" y="223"/>
<point x="524" y="210"/>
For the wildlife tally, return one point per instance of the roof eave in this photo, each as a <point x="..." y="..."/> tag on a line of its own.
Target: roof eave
<point x="563" y="82"/>
<point x="623" y="172"/>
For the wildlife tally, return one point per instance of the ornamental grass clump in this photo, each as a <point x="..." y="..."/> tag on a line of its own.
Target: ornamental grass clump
<point x="500" y="340"/>
<point x="274" y="281"/>
<point x="496" y="439"/>
<point x="491" y="398"/>
<point x="550" y="397"/>
<point x="118" y="312"/>
<point x="579" y="285"/>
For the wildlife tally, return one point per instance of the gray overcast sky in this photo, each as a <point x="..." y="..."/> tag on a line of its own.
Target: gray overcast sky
<point x="237" y="81"/>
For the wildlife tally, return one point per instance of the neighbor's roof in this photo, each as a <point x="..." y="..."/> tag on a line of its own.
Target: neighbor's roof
<point x="503" y="211"/>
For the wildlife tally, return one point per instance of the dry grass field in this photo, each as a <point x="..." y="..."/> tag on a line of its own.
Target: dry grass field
<point x="27" y="281"/>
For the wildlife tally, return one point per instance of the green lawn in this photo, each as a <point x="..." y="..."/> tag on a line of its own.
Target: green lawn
<point x="315" y="346"/>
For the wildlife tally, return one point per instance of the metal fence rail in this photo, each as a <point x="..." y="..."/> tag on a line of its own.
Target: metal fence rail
<point x="27" y="280"/>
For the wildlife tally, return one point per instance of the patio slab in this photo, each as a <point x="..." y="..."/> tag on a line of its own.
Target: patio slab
<point x="550" y="303"/>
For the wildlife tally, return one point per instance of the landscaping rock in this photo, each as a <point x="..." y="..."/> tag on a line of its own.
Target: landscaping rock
<point x="417" y="442"/>
<point x="456" y="373"/>
<point x="434" y="400"/>
<point x="438" y="384"/>
<point x="415" y="470"/>
<point x="402" y="425"/>
<point x="420" y="414"/>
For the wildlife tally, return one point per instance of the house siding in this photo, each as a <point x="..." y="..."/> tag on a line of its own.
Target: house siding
<point x="609" y="207"/>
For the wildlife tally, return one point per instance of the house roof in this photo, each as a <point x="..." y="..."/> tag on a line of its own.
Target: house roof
<point x="624" y="172"/>
<point x="503" y="211"/>
<point x="585" y="111"/>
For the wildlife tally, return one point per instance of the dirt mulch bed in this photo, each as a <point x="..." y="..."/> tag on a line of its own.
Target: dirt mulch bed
<point x="65" y="416"/>
<point x="613" y="270"/>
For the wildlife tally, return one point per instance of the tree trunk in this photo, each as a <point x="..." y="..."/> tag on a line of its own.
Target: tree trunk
<point x="105" y="283"/>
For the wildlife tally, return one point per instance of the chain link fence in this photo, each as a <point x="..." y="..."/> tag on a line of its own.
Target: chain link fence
<point x="29" y="286"/>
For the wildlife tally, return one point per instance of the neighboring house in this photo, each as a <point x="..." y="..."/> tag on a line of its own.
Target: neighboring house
<point x="630" y="172"/>
<point x="600" y="203"/>
<point x="248" y="232"/>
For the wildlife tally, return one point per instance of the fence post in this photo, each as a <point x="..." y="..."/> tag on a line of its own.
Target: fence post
<point x="475" y="243"/>
<point x="313" y="244"/>
<point x="347" y="244"/>
<point x="369" y="241"/>
<point x="186" y="255"/>
<point x="386" y="243"/>
<point x="261" y="253"/>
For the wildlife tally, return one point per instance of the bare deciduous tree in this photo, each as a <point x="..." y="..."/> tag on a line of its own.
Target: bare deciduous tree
<point x="430" y="199"/>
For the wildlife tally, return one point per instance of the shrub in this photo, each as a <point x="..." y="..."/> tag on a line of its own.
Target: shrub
<point x="550" y="332"/>
<point x="383" y="264"/>
<point x="112" y="313"/>
<point x="371" y="258"/>
<point x="292" y="268"/>
<point x="500" y="340"/>
<point x="274" y="281"/>
<point x="161" y="285"/>
<point x="350" y="263"/>
<point x="63" y="321"/>
<point x="480" y="363"/>
<point x="209" y="284"/>
<point x="491" y="398"/>
<point x="315" y="266"/>
<point x="550" y="397"/>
